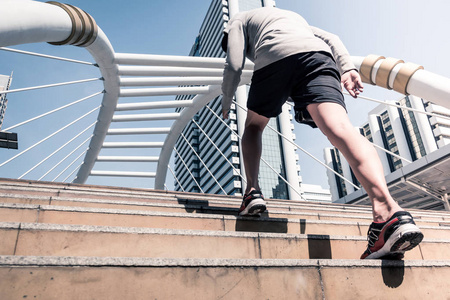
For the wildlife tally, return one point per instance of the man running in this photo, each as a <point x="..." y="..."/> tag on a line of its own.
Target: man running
<point x="310" y="66"/>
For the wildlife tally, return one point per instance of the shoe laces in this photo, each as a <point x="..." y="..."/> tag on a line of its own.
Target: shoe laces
<point x="373" y="236"/>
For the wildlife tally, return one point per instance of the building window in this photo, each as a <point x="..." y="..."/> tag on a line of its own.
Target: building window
<point x="412" y="132"/>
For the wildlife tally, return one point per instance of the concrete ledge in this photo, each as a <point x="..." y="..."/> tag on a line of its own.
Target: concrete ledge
<point x="84" y="191"/>
<point x="185" y="232"/>
<point x="6" y="261"/>
<point x="144" y="278"/>
<point x="308" y="223"/>
<point x="190" y="201"/>
<point x="103" y="241"/>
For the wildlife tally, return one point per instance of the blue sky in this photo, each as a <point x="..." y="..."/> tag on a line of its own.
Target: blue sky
<point x="412" y="30"/>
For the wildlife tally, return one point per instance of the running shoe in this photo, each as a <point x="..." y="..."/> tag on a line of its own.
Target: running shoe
<point x="253" y="204"/>
<point x="390" y="240"/>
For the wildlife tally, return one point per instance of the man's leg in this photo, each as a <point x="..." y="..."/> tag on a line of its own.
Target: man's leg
<point x="253" y="201"/>
<point x="332" y="120"/>
<point x="393" y="231"/>
<point x="252" y="148"/>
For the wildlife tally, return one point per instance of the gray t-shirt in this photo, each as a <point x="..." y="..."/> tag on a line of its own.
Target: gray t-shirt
<point x="266" y="35"/>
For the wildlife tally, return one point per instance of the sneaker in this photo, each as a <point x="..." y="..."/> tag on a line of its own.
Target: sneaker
<point x="392" y="238"/>
<point x="252" y="204"/>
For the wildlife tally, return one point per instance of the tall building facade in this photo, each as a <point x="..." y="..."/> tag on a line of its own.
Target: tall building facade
<point x="208" y="156"/>
<point x="408" y="134"/>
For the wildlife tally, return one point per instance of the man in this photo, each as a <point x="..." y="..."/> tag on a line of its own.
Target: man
<point x="310" y="66"/>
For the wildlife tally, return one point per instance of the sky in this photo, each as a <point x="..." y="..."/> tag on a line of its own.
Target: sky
<point x="412" y="30"/>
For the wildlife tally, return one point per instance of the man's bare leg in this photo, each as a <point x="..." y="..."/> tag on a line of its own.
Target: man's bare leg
<point x="332" y="120"/>
<point x="252" y="148"/>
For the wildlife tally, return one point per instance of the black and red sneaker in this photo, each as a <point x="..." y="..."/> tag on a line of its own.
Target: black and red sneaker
<point x="252" y="204"/>
<point x="390" y="239"/>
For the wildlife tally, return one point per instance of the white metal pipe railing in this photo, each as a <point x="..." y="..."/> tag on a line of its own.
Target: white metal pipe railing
<point x="56" y="151"/>
<point x="48" y="137"/>
<point x="201" y="160"/>
<point x="403" y="107"/>
<point x="50" y="85"/>
<point x="125" y="131"/>
<point x="172" y="60"/>
<point x="262" y="159"/>
<point x="48" y="56"/>
<point x="421" y="83"/>
<point x="103" y="54"/>
<point x="39" y="22"/>
<point x="164" y="91"/>
<point x="67" y="156"/>
<point x="74" y="170"/>
<point x="133" y="144"/>
<point x="128" y="158"/>
<point x="175" y="177"/>
<point x="177" y="127"/>
<point x="52" y="111"/>
<point x="145" y="117"/>
<point x="154" y="105"/>
<point x="74" y="161"/>
<point x="390" y="153"/>
<point x="123" y="174"/>
<point x="170" y="81"/>
<point x="173" y="71"/>
<point x="221" y="153"/>
<point x="187" y="168"/>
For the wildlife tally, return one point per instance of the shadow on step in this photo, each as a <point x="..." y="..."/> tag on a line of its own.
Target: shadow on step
<point x="319" y="246"/>
<point x="393" y="272"/>
<point x="203" y="207"/>
<point x="274" y="225"/>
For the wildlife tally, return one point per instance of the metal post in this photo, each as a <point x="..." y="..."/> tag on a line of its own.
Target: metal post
<point x="445" y="200"/>
<point x="289" y="154"/>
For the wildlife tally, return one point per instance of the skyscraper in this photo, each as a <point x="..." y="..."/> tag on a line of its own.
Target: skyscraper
<point x="200" y="163"/>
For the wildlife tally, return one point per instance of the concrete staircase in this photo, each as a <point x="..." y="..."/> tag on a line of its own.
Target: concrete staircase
<point x="65" y="241"/>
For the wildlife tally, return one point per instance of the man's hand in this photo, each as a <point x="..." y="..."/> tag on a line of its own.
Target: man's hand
<point x="351" y="81"/>
<point x="225" y="113"/>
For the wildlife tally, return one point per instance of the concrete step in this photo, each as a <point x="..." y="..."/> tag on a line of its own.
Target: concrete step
<point x="317" y="212"/>
<point x="315" y="224"/>
<point x="226" y="207"/>
<point x="74" y="192"/>
<point x="28" y="239"/>
<point x="106" y="191"/>
<point x="60" y="241"/>
<point x="147" y="278"/>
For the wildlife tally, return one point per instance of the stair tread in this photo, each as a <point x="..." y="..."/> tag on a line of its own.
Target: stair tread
<point x="165" y="231"/>
<point x="124" y="229"/>
<point x="367" y="219"/>
<point x="9" y="260"/>
<point x="213" y="201"/>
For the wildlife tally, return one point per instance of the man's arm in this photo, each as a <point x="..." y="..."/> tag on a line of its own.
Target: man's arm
<point x="350" y="78"/>
<point x="234" y="63"/>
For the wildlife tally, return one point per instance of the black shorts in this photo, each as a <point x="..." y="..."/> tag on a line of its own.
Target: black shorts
<point x="305" y="78"/>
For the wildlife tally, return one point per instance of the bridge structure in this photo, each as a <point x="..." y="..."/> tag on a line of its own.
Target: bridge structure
<point x="128" y="76"/>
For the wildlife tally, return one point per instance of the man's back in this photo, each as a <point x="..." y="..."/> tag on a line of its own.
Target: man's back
<point x="267" y="35"/>
<point x="272" y="34"/>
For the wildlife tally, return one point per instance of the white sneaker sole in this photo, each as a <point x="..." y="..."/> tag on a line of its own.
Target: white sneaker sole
<point x="405" y="238"/>
<point x="255" y="207"/>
